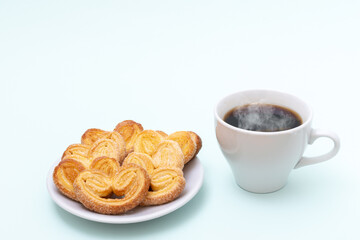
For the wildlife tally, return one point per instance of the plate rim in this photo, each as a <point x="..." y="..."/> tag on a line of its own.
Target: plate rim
<point x="56" y="196"/>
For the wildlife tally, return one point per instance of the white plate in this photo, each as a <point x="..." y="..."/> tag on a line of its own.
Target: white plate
<point x="193" y="173"/>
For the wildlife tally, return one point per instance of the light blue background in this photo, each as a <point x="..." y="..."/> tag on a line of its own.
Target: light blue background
<point x="66" y="66"/>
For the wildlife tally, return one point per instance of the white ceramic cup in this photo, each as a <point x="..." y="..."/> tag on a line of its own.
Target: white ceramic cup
<point x="262" y="161"/>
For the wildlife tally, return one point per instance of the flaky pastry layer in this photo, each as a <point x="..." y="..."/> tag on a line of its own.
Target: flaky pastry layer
<point x="168" y="154"/>
<point x="131" y="184"/>
<point x="129" y="130"/>
<point x="198" y="142"/>
<point x="107" y="165"/>
<point x="65" y="174"/>
<point x="92" y="135"/>
<point x="141" y="159"/>
<point x="147" y="142"/>
<point x="167" y="183"/>
<point x="78" y="152"/>
<point x="186" y="142"/>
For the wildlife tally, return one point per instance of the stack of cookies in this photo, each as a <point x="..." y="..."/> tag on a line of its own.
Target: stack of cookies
<point x="112" y="172"/>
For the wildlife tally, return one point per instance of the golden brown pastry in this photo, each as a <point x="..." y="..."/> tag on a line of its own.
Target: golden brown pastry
<point x="78" y="152"/>
<point x="129" y="131"/>
<point x="151" y="171"/>
<point x="147" y="142"/>
<point x="196" y="138"/>
<point x="166" y="185"/>
<point x="64" y="175"/>
<point x="93" y="188"/>
<point x="91" y="183"/>
<point x="106" y="147"/>
<point x="162" y="133"/>
<point x="107" y="165"/>
<point x="120" y="141"/>
<point x="92" y="135"/>
<point x="141" y="159"/>
<point x="168" y="154"/>
<point x="186" y="142"/>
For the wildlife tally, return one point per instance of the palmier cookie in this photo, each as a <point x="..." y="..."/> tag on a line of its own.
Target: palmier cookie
<point x="64" y="175"/>
<point x="141" y="159"/>
<point x="147" y="142"/>
<point x="92" y="135"/>
<point x="167" y="183"/>
<point x="78" y="152"/>
<point x="120" y="141"/>
<point x="186" y="142"/>
<point x="129" y="131"/>
<point x="92" y="189"/>
<point x="168" y="154"/>
<point x="112" y="146"/>
<point x="107" y="165"/>
<point x="198" y="142"/>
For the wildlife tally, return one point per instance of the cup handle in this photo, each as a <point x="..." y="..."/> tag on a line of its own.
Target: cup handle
<point x="315" y="134"/>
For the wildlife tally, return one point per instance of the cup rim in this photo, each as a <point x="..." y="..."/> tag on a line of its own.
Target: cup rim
<point x="240" y="130"/>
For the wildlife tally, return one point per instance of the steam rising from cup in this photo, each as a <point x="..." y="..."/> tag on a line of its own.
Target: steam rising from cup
<point x="263" y="118"/>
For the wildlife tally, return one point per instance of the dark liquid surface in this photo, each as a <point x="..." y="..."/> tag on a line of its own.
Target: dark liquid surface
<point x="263" y="118"/>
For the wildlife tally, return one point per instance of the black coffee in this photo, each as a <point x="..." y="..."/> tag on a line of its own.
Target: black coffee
<point x="263" y="118"/>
